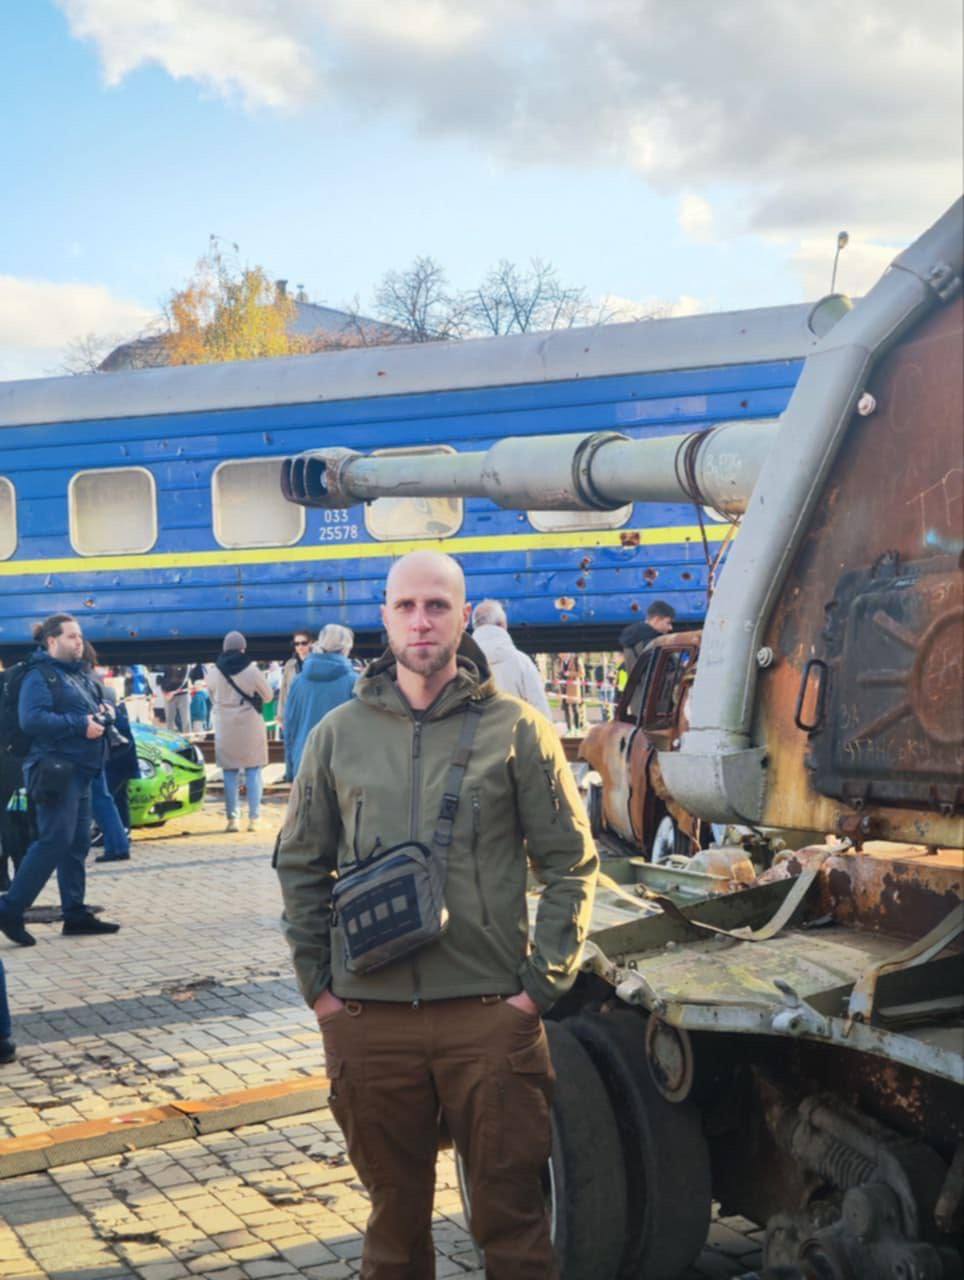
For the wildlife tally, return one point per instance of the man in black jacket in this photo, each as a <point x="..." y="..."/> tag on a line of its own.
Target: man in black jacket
<point x="635" y="637"/>
<point x="59" y="709"/>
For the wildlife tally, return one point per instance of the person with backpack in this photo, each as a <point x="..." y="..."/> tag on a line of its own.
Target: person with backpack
<point x="61" y="723"/>
<point x="239" y="691"/>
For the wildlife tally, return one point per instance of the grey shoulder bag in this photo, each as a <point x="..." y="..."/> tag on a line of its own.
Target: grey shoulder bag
<point x="393" y="902"/>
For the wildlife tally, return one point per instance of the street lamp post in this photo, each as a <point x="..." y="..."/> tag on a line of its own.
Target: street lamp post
<point x="843" y="240"/>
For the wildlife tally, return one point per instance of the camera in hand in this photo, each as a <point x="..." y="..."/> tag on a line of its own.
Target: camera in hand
<point x="115" y="739"/>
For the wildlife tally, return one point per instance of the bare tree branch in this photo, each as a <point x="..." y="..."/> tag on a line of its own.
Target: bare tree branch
<point x="513" y="300"/>
<point x="84" y="354"/>
<point x="417" y="300"/>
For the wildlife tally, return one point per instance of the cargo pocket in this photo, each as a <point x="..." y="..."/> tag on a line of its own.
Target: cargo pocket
<point x="347" y="1094"/>
<point x="345" y="1110"/>
<point x="525" y="1092"/>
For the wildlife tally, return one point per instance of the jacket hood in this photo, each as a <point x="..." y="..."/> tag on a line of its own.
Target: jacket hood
<point x="473" y="679"/>
<point x="495" y="642"/>
<point x="326" y="667"/>
<point x="232" y="662"/>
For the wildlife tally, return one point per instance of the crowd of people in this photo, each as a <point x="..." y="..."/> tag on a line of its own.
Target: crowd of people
<point x="445" y="992"/>
<point x="75" y="755"/>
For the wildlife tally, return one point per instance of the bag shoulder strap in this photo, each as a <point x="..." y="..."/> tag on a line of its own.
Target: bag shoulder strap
<point x="454" y="779"/>
<point x="88" y="688"/>
<point x="240" y="692"/>
<point x="55" y="685"/>
<point x="54" y="682"/>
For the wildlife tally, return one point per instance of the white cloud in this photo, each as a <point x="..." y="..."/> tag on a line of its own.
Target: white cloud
<point x="860" y="266"/>
<point x="815" y="115"/>
<point x="696" y="218"/>
<point x="436" y="26"/>
<point x="617" y="308"/>
<point x="40" y="318"/>
<point x="232" y="46"/>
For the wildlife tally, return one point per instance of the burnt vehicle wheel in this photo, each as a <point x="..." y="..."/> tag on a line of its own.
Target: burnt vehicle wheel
<point x="664" y="1152"/>
<point x="669" y="841"/>
<point x="584" y="1183"/>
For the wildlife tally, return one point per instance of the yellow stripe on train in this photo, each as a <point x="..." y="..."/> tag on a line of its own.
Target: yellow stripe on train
<point x="366" y="550"/>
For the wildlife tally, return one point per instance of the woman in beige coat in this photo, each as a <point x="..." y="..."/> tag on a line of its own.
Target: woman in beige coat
<point x="237" y="691"/>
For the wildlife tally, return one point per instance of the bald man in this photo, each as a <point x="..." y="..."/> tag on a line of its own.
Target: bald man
<point x="457" y="1024"/>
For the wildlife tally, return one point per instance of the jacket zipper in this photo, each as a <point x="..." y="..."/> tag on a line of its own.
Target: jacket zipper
<point x="413" y="831"/>
<point x="354" y="843"/>
<point x="553" y="792"/>
<point x="416" y="779"/>
<point x="476" y="831"/>
<point x="415" y="815"/>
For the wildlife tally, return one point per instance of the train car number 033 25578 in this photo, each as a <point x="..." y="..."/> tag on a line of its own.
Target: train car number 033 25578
<point x="338" y="528"/>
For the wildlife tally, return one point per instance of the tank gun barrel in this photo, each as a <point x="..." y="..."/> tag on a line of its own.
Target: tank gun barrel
<point x="574" y="472"/>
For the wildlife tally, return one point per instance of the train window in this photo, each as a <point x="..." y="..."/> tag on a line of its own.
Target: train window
<point x="576" y="521"/>
<point x="249" y="507"/>
<point x="113" y="512"/>
<point x="8" y="519"/>
<point x="390" y="519"/>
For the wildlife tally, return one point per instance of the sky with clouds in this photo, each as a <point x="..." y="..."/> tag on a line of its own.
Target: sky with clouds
<point x="689" y="154"/>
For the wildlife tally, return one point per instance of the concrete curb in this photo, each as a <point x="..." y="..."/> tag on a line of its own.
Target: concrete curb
<point x="154" y="1126"/>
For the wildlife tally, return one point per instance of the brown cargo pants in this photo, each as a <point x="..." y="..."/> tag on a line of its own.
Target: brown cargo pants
<point x="485" y="1065"/>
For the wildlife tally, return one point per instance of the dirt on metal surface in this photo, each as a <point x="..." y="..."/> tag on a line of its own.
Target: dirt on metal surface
<point x="894" y="502"/>
<point x="903" y="890"/>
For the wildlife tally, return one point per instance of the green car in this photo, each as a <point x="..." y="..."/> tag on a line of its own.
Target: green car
<point x="172" y="778"/>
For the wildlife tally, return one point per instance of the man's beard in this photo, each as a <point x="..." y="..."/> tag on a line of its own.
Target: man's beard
<point x="427" y="663"/>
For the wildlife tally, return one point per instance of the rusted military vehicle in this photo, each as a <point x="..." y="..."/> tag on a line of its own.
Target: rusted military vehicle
<point x="792" y="1051"/>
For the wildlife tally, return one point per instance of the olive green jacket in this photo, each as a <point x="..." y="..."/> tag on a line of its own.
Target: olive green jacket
<point x="372" y="775"/>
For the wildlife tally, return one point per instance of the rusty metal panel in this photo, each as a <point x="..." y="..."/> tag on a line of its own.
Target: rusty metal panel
<point x="906" y="897"/>
<point x="896" y="490"/>
<point x="891" y="723"/>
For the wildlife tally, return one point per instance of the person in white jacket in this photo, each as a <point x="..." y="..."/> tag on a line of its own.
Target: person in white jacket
<point x="512" y="671"/>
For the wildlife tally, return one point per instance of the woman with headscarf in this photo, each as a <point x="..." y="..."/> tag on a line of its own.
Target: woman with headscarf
<point x="238" y="692"/>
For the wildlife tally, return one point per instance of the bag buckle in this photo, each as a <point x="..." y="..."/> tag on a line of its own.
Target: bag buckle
<point x="449" y="807"/>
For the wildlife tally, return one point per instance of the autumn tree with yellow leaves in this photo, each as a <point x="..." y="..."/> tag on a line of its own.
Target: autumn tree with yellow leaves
<point x="227" y="311"/>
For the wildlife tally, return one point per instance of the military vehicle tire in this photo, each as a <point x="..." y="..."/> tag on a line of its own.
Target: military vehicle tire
<point x="587" y="1165"/>
<point x="584" y="1180"/>
<point x="664" y="1151"/>
<point x="594" y="808"/>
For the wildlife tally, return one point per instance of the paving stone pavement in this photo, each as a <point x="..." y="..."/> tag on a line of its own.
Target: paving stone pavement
<point x="194" y="997"/>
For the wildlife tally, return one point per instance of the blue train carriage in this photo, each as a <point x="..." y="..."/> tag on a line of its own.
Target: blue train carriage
<point x="148" y="503"/>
